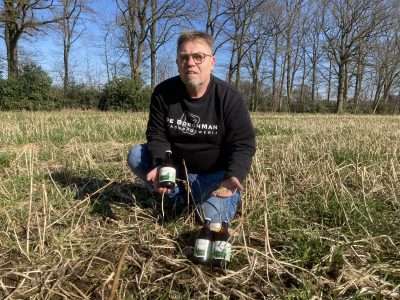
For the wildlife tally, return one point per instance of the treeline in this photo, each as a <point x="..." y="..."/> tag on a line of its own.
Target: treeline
<point x="284" y="55"/>
<point x="33" y="90"/>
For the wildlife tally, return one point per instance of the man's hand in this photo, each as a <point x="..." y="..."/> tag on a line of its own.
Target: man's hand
<point x="228" y="187"/>
<point x="152" y="177"/>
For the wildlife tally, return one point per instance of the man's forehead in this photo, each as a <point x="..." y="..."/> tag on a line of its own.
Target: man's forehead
<point x="200" y="43"/>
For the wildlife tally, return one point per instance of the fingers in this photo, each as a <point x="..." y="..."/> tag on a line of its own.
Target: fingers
<point x="162" y="190"/>
<point x="222" y="192"/>
<point x="239" y="186"/>
<point x="235" y="183"/>
<point x="228" y="187"/>
<point x="152" y="175"/>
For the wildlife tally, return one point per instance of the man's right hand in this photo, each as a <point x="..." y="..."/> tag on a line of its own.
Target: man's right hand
<point x="152" y="177"/>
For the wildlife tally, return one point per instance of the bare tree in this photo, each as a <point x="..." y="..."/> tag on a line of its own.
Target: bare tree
<point x="153" y="42"/>
<point x="69" y="27"/>
<point x="276" y="12"/>
<point x="112" y="53"/>
<point x="350" y="23"/>
<point x="305" y="71"/>
<point x="148" y="23"/>
<point x="106" y="52"/>
<point x="165" y="16"/>
<point x="135" y="20"/>
<point x="217" y="18"/>
<point x="387" y="67"/>
<point x="359" y="73"/>
<point x="164" y="70"/>
<point x="254" y="60"/>
<point x="262" y="30"/>
<point x="292" y="9"/>
<point x="315" y="20"/>
<point x="242" y="14"/>
<point x="23" y="17"/>
<point x="298" y="46"/>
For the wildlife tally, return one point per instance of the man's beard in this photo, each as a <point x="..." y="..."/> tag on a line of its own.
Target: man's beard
<point x="192" y="83"/>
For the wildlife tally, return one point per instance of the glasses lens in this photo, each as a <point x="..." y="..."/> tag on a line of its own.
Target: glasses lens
<point x="184" y="57"/>
<point x="198" y="58"/>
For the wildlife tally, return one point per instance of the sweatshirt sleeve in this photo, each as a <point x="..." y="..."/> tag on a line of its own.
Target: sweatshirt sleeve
<point x="156" y="133"/>
<point x="240" y="137"/>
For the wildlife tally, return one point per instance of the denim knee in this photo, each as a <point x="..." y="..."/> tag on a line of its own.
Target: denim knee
<point x="220" y="209"/>
<point x="139" y="160"/>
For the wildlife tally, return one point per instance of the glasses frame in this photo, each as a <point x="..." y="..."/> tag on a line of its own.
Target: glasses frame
<point x="184" y="57"/>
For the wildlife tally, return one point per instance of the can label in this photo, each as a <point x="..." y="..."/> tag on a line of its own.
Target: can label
<point x="221" y="250"/>
<point x="201" y="248"/>
<point x="167" y="174"/>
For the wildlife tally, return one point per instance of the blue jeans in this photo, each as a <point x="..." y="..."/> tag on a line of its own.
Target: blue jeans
<point x="202" y="185"/>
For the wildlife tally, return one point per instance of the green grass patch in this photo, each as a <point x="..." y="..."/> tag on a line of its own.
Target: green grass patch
<point x="319" y="216"/>
<point x="6" y="159"/>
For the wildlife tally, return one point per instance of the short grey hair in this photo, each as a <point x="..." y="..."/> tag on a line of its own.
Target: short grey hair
<point x="195" y="35"/>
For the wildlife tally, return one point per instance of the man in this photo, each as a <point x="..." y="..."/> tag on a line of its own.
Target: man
<point x="204" y="121"/>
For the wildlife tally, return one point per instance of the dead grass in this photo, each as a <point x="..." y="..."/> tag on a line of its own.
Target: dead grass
<point x="319" y="218"/>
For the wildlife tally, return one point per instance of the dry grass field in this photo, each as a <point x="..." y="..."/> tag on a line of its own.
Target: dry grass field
<point x="320" y="217"/>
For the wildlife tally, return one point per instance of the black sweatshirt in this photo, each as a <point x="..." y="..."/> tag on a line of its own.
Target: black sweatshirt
<point x="210" y="133"/>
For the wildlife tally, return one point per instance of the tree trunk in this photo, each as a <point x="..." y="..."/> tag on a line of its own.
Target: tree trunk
<point x="11" y="39"/>
<point x="255" y="91"/>
<point x="397" y="109"/>
<point x="280" y="106"/>
<point x="329" y="80"/>
<point x="314" y="76"/>
<point x="359" y="79"/>
<point x="131" y="36"/>
<point x="345" y="83"/>
<point x="132" y="59"/>
<point x="341" y="78"/>
<point x="153" y="32"/>
<point x="256" y="80"/>
<point x="238" y="60"/>
<point x="66" y="43"/>
<point x="386" y="89"/>
<point x="274" y="67"/>
<point x="141" y="39"/>
<point x="377" y="99"/>
<point x="209" y="25"/>
<point x="66" y="69"/>
<point x="378" y="91"/>
<point x="303" y="79"/>
<point x="231" y="67"/>
<point x="288" y="70"/>
<point x="106" y="56"/>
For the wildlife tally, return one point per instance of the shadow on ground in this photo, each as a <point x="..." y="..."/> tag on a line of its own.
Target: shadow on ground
<point x="104" y="193"/>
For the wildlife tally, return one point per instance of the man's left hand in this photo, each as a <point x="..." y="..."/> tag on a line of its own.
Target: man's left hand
<point x="228" y="187"/>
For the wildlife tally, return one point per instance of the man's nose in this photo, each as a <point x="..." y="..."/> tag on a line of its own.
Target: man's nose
<point x="190" y="61"/>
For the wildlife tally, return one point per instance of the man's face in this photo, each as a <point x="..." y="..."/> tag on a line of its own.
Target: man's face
<point x="195" y="63"/>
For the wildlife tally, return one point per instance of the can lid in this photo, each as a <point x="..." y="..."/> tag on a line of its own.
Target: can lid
<point x="216" y="227"/>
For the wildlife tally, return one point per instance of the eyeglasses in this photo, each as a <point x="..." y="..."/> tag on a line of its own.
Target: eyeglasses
<point x="198" y="57"/>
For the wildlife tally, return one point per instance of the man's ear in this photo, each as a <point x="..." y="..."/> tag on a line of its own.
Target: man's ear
<point x="213" y="61"/>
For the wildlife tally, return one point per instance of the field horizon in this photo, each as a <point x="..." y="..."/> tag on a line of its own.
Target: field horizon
<point x="319" y="217"/>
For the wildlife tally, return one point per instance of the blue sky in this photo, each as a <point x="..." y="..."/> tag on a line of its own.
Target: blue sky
<point x="87" y="54"/>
